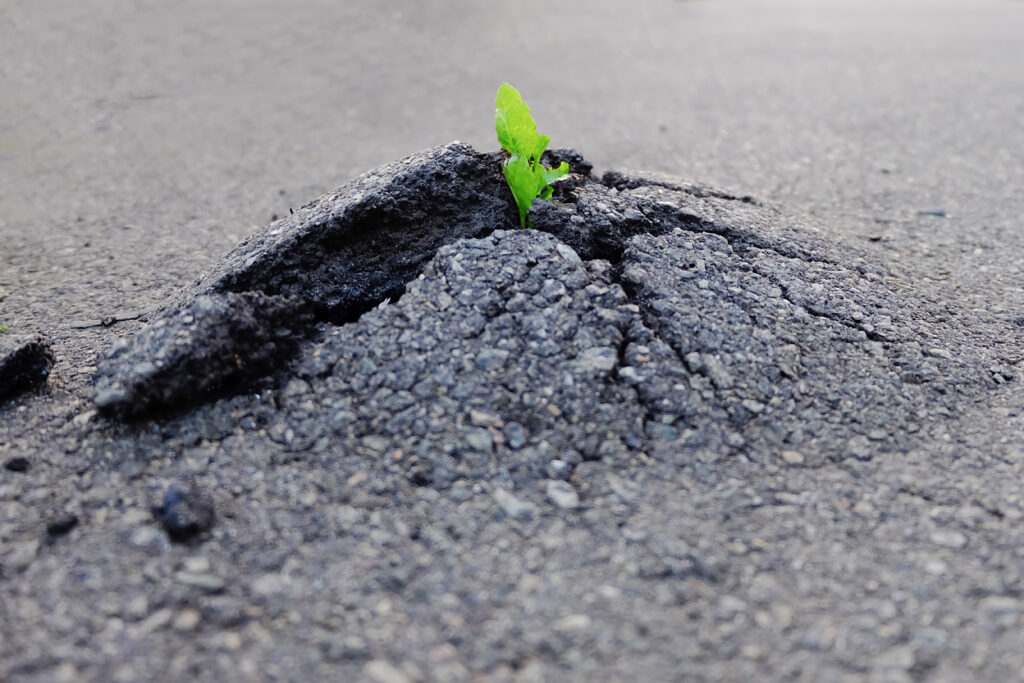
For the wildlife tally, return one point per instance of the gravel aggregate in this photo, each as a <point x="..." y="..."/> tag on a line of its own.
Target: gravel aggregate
<point x="672" y="432"/>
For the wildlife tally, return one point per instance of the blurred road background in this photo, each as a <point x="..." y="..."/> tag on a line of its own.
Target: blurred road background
<point x="145" y="138"/>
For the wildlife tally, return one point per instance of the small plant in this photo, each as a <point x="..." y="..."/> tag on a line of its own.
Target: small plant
<point x="517" y="134"/>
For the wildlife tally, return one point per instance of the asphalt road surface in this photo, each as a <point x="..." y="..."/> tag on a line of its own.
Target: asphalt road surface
<point x="143" y="140"/>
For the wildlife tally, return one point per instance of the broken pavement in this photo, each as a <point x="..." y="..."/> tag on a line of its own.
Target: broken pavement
<point x="476" y="450"/>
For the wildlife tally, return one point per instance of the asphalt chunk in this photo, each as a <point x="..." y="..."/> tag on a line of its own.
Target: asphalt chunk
<point x="25" y="363"/>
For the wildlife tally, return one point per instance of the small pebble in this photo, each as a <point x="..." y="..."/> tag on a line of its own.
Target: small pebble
<point x="479" y="439"/>
<point x="515" y="435"/>
<point x="187" y="620"/>
<point x="145" y="537"/>
<point x="558" y="469"/>
<point x="562" y="494"/>
<point x="512" y="506"/>
<point x="61" y="524"/>
<point x="792" y="457"/>
<point x="380" y="671"/>
<point x="479" y="418"/>
<point x="948" y="538"/>
<point x="184" y="513"/>
<point x="205" y="582"/>
<point x="17" y="464"/>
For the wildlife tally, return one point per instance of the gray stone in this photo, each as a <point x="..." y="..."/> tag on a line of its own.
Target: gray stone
<point x="208" y="583"/>
<point x="562" y="494"/>
<point x="559" y="469"/>
<point x="599" y="360"/>
<point x="512" y="506"/>
<point x="490" y="359"/>
<point x="515" y="435"/>
<point x="948" y="538"/>
<point x="185" y="512"/>
<point x="479" y="439"/>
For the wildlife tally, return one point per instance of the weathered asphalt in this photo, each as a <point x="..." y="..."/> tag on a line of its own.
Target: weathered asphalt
<point x="144" y="141"/>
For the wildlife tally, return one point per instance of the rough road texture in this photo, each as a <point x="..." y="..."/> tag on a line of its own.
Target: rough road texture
<point x="142" y="141"/>
<point x="214" y="344"/>
<point x="666" y="411"/>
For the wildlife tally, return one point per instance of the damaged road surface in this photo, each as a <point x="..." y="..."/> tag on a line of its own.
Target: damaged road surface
<point x="442" y="448"/>
<point x="335" y="257"/>
<point x="640" y="310"/>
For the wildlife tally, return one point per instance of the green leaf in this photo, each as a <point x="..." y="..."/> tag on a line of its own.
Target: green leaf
<point x="517" y="131"/>
<point x="517" y="135"/>
<point x="553" y="174"/>
<point x="522" y="182"/>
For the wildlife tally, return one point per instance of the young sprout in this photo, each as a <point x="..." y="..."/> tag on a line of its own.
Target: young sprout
<point x="517" y="134"/>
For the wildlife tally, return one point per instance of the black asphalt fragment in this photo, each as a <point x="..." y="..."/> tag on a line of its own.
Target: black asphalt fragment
<point x="25" y="362"/>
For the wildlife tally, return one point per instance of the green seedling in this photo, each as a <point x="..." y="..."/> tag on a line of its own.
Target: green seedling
<point x="517" y="134"/>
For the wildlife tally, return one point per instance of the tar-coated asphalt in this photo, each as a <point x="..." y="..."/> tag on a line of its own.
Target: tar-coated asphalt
<point x="141" y="141"/>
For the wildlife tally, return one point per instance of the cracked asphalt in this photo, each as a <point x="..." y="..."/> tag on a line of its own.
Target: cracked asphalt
<point x="849" y="510"/>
